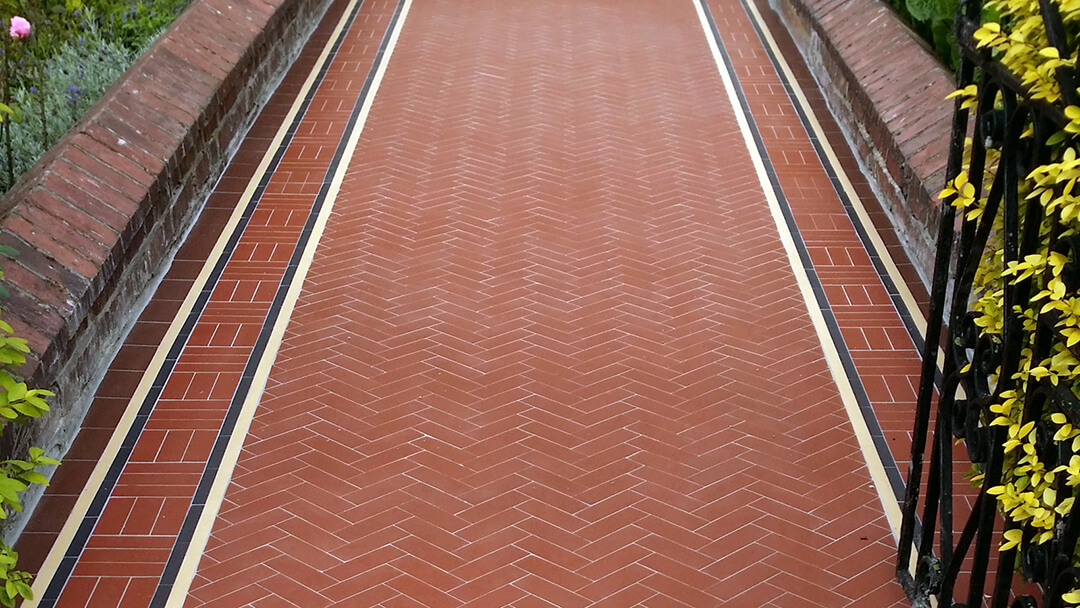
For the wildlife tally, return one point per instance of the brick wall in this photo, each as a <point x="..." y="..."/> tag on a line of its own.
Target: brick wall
<point x="887" y="92"/>
<point x="99" y="217"/>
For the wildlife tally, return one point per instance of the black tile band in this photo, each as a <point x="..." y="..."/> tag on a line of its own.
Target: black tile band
<point x="213" y="464"/>
<point x="830" y="169"/>
<point x="86" y="527"/>
<point x="896" y="480"/>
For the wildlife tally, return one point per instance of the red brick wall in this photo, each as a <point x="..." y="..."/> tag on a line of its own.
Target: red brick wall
<point x="887" y="92"/>
<point x="99" y="218"/>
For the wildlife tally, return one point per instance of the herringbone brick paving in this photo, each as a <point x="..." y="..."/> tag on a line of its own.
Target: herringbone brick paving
<point x="876" y="337"/>
<point x="550" y="351"/>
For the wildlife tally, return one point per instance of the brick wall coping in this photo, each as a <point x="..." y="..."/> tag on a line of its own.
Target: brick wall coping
<point x="887" y="92"/>
<point x="100" y="216"/>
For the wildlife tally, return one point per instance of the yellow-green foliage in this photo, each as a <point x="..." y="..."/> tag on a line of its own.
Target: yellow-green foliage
<point x="18" y="404"/>
<point x="1028" y="494"/>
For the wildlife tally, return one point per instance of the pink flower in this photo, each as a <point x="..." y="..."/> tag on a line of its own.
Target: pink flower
<point x="20" y="28"/>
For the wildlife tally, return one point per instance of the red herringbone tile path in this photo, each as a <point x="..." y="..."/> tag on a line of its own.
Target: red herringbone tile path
<point x="550" y="349"/>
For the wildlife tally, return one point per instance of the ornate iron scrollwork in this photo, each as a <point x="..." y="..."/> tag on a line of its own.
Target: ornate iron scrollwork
<point x="951" y="532"/>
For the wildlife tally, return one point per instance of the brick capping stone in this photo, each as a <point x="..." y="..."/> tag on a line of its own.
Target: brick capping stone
<point x="887" y="92"/>
<point x="100" y="216"/>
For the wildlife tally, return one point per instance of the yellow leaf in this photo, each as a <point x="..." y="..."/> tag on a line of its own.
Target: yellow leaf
<point x="1024" y="430"/>
<point x="1065" y="507"/>
<point x="1012" y="538"/>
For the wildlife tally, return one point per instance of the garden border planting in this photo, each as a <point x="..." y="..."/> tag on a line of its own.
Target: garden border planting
<point x="99" y="218"/>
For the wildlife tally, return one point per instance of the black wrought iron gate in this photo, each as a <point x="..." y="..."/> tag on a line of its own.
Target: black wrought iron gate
<point x="964" y="552"/>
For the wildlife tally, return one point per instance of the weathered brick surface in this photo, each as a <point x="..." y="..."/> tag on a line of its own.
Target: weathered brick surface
<point x="99" y="217"/>
<point x="888" y="95"/>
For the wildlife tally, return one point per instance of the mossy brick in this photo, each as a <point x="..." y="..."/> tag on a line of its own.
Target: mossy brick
<point x="229" y="51"/>
<point x="111" y="157"/>
<point x="79" y="199"/>
<point x="37" y="262"/>
<point x="169" y="66"/>
<point x="162" y="102"/>
<point x="102" y="136"/>
<point x="133" y="239"/>
<point x="60" y="230"/>
<point x="153" y="142"/>
<point x="198" y="55"/>
<point x="206" y="25"/>
<point x="42" y="239"/>
<point x="131" y="190"/>
<point x="79" y="219"/>
<point x="92" y="186"/>
<point x="916" y="140"/>
<point x="135" y="102"/>
<point x="239" y="16"/>
<point x="145" y="119"/>
<point x="30" y="282"/>
<point x="887" y="102"/>
<point x="188" y="94"/>
<point x="32" y="320"/>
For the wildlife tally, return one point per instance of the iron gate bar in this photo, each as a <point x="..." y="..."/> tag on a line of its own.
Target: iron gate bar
<point x="983" y="367"/>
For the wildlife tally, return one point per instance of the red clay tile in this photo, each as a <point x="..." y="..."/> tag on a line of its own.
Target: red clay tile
<point x="549" y="351"/>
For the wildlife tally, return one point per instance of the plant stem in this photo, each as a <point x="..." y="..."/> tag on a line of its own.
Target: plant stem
<point x="41" y="103"/>
<point x="7" y="119"/>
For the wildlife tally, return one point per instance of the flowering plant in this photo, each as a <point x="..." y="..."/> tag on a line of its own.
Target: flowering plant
<point x="20" y="28"/>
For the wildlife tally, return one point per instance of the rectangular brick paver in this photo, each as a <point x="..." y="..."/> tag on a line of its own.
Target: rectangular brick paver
<point x="550" y="350"/>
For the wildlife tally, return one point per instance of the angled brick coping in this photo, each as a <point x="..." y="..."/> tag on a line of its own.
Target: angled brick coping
<point x="888" y="95"/>
<point x="98" y="219"/>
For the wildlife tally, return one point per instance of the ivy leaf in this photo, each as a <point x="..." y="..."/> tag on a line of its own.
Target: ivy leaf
<point x="946" y="9"/>
<point x="922" y="10"/>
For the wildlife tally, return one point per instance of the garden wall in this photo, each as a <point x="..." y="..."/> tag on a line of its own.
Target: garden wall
<point x="887" y="93"/>
<point x="98" y="219"/>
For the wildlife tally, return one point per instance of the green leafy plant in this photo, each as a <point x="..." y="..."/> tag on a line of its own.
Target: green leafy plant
<point x="1032" y="494"/>
<point x="52" y="72"/>
<point x="72" y="80"/>
<point x="18" y="405"/>
<point x="933" y="21"/>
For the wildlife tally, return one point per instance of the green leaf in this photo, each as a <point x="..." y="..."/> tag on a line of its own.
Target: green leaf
<point x="9" y="491"/>
<point x="21" y="465"/>
<point x="34" y="477"/>
<point x="17" y="392"/>
<point x="26" y="409"/>
<point x="922" y="10"/>
<point x="946" y="10"/>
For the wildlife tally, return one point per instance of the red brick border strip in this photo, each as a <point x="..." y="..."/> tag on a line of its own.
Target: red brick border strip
<point x="887" y="93"/>
<point x="99" y="218"/>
